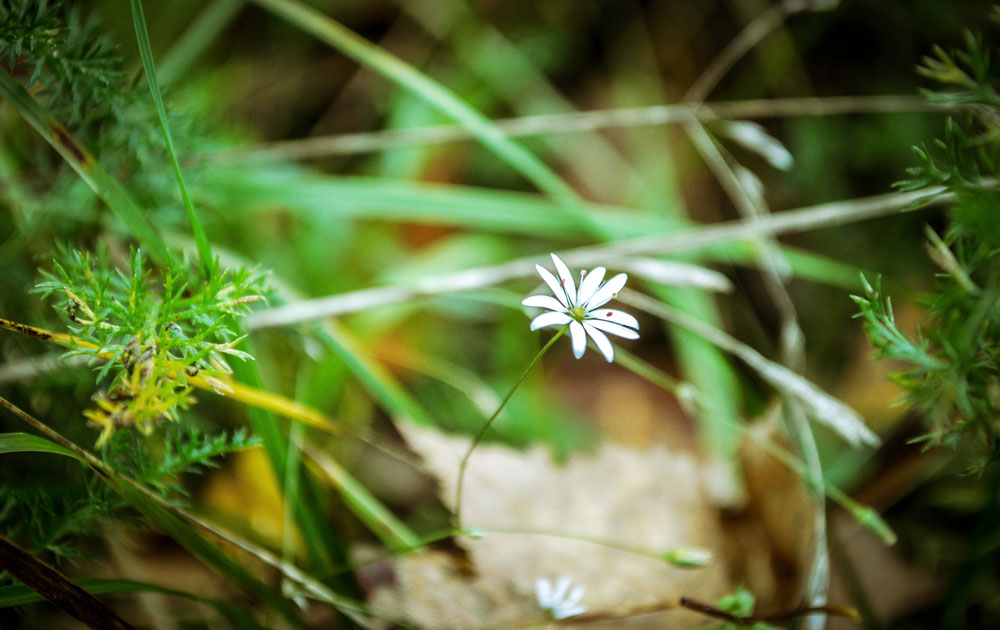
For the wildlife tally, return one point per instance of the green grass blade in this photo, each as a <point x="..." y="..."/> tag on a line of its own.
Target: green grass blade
<point x="379" y="383"/>
<point x="863" y="514"/>
<point x="324" y="546"/>
<point x="390" y="530"/>
<point x="146" y="53"/>
<point x="27" y="443"/>
<point x="513" y="78"/>
<point x="99" y="180"/>
<point x="822" y="407"/>
<point x="710" y="371"/>
<point x="439" y="97"/>
<point x="322" y="197"/>
<point x="204" y="550"/>
<point x="196" y="39"/>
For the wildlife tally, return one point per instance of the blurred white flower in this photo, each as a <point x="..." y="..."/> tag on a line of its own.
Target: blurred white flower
<point x="582" y="309"/>
<point x="558" y="601"/>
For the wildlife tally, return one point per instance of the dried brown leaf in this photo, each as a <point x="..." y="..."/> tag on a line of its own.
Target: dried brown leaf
<point x="650" y="499"/>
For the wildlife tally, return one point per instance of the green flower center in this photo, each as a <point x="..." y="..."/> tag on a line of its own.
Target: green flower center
<point x="578" y="313"/>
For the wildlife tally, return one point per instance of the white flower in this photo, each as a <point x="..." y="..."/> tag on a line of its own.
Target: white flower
<point x="559" y="602"/>
<point x="582" y="309"/>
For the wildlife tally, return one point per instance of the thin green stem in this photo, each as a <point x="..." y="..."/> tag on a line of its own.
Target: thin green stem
<point x="290" y="491"/>
<point x="146" y="53"/>
<point x="482" y="432"/>
<point x="662" y="555"/>
<point x="668" y="555"/>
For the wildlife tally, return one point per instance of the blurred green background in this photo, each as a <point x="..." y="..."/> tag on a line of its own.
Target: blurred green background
<point x="237" y="80"/>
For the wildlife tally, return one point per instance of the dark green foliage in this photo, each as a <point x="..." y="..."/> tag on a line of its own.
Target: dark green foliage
<point x="66" y="54"/>
<point x="966" y="74"/>
<point x="954" y="376"/>
<point x="960" y="161"/>
<point x="180" y="450"/>
<point x="54" y="517"/>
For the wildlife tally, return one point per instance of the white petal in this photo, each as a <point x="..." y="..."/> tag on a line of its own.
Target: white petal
<point x="603" y="344"/>
<point x="570" y="605"/>
<point x="550" y="319"/>
<point x="559" y="592"/>
<point x="566" y="278"/>
<point x="550" y="280"/>
<point x="543" y="592"/>
<point x="589" y="284"/>
<point x="579" y="338"/>
<point x="544" y="301"/>
<point x="611" y="315"/>
<point x="574" y="596"/>
<point x="614" y="329"/>
<point x="564" y="612"/>
<point x="607" y="291"/>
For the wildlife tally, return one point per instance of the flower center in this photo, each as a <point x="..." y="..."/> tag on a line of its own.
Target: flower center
<point x="578" y="313"/>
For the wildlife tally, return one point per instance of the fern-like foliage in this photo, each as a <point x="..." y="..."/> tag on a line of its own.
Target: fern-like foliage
<point x="65" y="54"/>
<point x="50" y="519"/>
<point x="954" y="373"/>
<point x="182" y="450"/>
<point x="150" y="341"/>
<point x="53" y="519"/>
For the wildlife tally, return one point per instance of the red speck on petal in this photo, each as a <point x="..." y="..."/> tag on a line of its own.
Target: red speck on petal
<point x="609" y="314"/>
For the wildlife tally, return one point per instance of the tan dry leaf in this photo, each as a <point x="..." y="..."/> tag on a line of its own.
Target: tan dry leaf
<point x="650" y="499"/>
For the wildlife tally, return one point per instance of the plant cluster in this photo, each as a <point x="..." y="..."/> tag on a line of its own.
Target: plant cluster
<point x="954" y="376"/>
<point x="150" y="344"/>
<point x="151" y="333"/>
<point x="155" y="327"/>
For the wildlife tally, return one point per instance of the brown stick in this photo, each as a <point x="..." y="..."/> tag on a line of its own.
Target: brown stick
<point x="712" y="611"/>
<point x="58" y="589"/>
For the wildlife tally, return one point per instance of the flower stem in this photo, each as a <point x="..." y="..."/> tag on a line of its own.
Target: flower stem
<point x="482" y="432"/>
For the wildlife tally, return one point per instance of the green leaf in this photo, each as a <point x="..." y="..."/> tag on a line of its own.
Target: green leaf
<point x="204" y="550"/>
<point x="27" y="443"/>
<point x="365" y="506"/>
